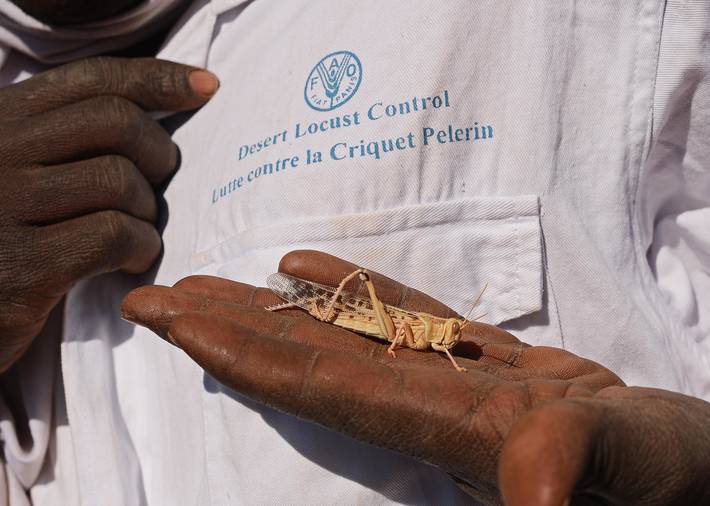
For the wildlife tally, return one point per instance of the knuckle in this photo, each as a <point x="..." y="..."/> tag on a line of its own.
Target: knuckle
<point x="15" y="278"/>
<point x="165" y="80"/>
<point x="119" y="111"/>
<point x="97" y="74"/>
<point x="117" y="242"/>
<point x="16" y="194"/>
<point x="116" y="230"/>
<point x="21" y="312"/>
<point x="124" y="117"/>
<point x="118" y="177"/>
<point x="16" y="146"/>
<point x="27" y="267"/>
<point x="125" y="187"/>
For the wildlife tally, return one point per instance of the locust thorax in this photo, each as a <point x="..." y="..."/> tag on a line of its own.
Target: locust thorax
<point x="446" y="333"/>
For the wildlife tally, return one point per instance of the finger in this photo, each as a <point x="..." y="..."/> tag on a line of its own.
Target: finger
<point x="483" y="334"/>
<point x="546" y="454"/>
<point x="217" y="288"/>
<point x="629" y="449"/>
<point x="330" y="270"/>
<point x="62" y="192"/>
<point x="94" y="127"/>
<point x="154" y="85"/>
<point x="95" y="243"/>
<point x="566" y="366"/>
<point x="539" y="361"/>
<point x="214" y="289"/>
<point x="156" y="307"/>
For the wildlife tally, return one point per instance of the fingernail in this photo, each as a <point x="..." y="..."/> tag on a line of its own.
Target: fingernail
<point x="204" y="82"/>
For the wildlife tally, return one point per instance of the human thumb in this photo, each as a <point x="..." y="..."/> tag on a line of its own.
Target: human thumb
<point x="546" y="454"/>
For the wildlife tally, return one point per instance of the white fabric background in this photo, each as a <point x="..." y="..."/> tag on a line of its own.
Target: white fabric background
<point x="600" y="111"/>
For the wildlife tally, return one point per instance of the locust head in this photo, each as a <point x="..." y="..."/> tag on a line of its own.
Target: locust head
<point x="452" y="327"/>
<point x="450" y="334"/>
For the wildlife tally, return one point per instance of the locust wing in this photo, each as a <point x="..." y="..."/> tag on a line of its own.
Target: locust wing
<point x="304" y="293"/>
<point x="349" y="311"/>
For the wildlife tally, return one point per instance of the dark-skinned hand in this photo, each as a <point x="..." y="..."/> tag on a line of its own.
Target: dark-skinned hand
<point x="79" y="157"/>
<point x="531" y="426"/>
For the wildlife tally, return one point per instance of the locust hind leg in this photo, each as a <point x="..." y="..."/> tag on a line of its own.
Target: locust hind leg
<point x="395" y="342"/>
<point x="279" y="307"/>
<point x="338" y="291"/>
<point x="384" y="320"/>
<point x="405" y="336"/>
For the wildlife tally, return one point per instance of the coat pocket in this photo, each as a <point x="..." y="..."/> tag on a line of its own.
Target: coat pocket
<point x="448" y="250"/>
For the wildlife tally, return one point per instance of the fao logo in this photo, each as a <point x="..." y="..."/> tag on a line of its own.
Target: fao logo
<point x="333" y="81"/>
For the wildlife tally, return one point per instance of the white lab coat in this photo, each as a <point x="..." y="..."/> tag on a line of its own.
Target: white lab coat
<point x="562" y="158"/>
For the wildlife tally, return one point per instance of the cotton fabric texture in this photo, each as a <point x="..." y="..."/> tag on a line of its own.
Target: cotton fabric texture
<point x="584" y="209"/>
<point x="24" y="34"/>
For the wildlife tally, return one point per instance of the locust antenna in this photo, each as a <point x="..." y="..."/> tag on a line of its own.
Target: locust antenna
<point x="466" y="321"/>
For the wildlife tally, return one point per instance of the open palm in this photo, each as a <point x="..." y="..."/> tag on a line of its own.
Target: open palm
<point x="523" y="421"/>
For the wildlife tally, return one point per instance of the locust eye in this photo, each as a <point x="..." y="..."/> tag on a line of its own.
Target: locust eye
<point x="455" y="327"/>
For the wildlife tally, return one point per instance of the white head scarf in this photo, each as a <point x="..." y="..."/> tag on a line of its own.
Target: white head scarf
<point x="54" y="45"/>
